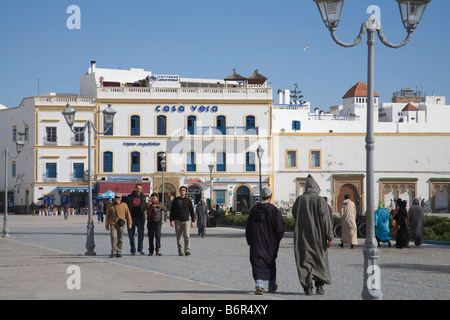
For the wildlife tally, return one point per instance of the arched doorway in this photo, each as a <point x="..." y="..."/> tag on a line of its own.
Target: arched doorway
<point x="169" y="193"/>
<point x="243" y="199"/>
<point x="195" y="193"/>
<point x="354" y="196"/>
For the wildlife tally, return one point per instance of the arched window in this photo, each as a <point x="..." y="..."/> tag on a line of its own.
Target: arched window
<point x="221" y="161"/>
<point x="135" y="162"/>
<point x="190" y="163"/>
<point x="250" y="122"/>
<point x="107" y="161"/>
<point x="191" y="124"/>
<point x="250" y="161"/>
<point x="135" y="125"/>
<point x="161" y="125"/>
<point x="221" y="124"/>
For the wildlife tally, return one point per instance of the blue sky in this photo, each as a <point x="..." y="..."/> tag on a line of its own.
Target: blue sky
<point x="208" y="38"/>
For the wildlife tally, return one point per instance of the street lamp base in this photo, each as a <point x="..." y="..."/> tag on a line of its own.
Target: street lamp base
<point x="372" y="272"/>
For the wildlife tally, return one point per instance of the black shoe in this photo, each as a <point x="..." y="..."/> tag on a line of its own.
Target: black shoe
<point x="351" y="246"/>
<point x="112" y="255"/>
<point x="118" y="255"/>
<point x="188" y="253"/>
<point x="319" y="290"/>
<point x="341" y="245"/>
<point x="133" y="253"/>
<point x="274" y="289"/>
<point x="180" y="254"/>
<point x="150" y="254"/>
<point x="308" y="291"/>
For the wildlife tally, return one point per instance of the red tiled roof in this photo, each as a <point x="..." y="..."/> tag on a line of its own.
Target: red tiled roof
<point x="409" y="106"/>
<point x="358" y="90"/>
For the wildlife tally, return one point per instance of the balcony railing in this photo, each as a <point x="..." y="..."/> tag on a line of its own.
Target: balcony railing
<point x="185" y="93"/>
<point x="221" y="131"/>
<point x="332" y="117"/>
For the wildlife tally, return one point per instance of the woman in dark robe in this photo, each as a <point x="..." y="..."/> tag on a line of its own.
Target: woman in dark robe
<point x="401" y="224"/>
<point x="264" y="231"/>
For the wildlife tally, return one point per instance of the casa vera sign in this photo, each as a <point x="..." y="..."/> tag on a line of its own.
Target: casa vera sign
<point x="199" y="109"/>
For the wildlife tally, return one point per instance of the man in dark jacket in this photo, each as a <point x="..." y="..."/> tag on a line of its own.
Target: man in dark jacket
<point x="136" y="202"/>
<point x="180" y="212"/>
<point x="264" y="231"/>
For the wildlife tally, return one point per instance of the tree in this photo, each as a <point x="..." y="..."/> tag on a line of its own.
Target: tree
<point x="296" y="96"/>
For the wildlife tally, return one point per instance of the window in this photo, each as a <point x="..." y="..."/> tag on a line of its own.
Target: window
<point x="51" y="134"/>
<point x="161" y="155"/>
<point x="250" y="161"/>
<point x="107" y="161"/>
<point x="79" y="134"/>
<point x="78" y="170"/>
<point x="220" y="197"/>
<point x="27" y="133"/>
<point x="135" y="162"/>
<point x="191" y="166"/>
<point x="191" y="124"/>
<point x="221" y="124"/>
<point x="250" y="122"/>
<point x="221" y="162"/>
<point x="135" y="124"/>
<point x="315" y="160"/>
<point x="291" y="158"/>
<point x="296" y="125"/>
<point x="50" y="170"/>
<point x="14" y="134"/>
<point x="13" y="169"/>
<point x="161" y="125"/>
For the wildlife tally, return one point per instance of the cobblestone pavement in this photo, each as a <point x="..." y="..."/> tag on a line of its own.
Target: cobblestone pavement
<point x="222" y="259"/>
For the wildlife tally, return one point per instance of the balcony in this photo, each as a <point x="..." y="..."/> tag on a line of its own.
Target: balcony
<point x="184" y="93"/>
<point x="221" y="131"/>
<point x="62" y="101"/>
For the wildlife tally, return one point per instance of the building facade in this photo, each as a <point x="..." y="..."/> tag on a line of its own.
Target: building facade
<point x="201" y="124"/>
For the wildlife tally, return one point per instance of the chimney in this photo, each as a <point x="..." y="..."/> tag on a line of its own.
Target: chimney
<point x="287" y="97"/>
<point x="93" y="66"/>
<point x="280" y="96"/>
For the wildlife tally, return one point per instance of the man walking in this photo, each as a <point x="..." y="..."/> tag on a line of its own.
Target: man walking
<point x="313" y="235"/>
<point x="136" y="202"/>
<point x="116" y="215"/>
<point x="202" y="217"/>
<point x="347" y="212"/>
<point x="264" y="231"/>
<point x="180" y="212"/>
<point x="155" y="213"/>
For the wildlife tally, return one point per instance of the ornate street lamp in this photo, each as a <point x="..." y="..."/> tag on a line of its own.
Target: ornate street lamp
<point x="19" y="147"/>
<point x="260" y="153"/>
<point x="211" y="167"/>
<point x="411" y="12"/>
<point x="108" y="117"/>
<point x="163" y="168"/>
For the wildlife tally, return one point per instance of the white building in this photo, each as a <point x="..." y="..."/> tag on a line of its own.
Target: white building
<point x="193" y="122"/>
<point x="197" y="122"/>
<point x="410" y="158"/>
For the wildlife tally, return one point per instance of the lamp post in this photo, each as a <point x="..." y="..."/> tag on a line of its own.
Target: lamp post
<point x="163" y="168"/>
<point x="19" y="147"/>
<point x="260" y="152"/>
<point x="411" y="13"/>
<point x="108" y="117"/>
<point x="211" y="167"/>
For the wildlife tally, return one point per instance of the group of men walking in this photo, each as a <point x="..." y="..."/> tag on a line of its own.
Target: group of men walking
<point x="135" y="210"/>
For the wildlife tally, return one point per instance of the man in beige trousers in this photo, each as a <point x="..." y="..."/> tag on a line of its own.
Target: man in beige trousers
<point x="117" y="211"/>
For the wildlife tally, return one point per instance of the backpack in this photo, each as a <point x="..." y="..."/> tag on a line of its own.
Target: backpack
<point x="155" y="214"/>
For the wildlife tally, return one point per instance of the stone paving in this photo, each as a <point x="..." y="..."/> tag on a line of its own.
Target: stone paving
<point x="221" y="260"/>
